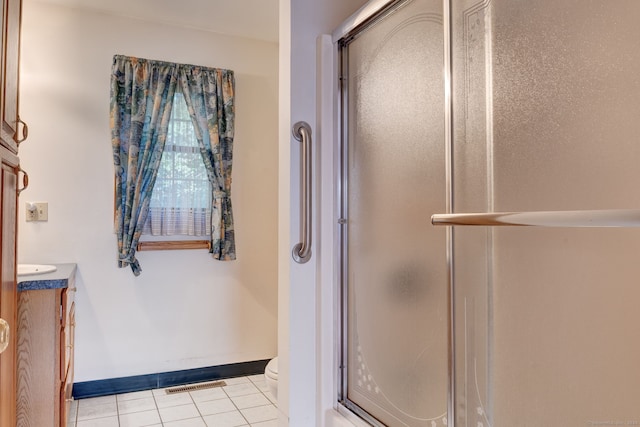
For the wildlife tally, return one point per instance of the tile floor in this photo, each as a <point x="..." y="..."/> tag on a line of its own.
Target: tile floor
<point x="244" y="401"/>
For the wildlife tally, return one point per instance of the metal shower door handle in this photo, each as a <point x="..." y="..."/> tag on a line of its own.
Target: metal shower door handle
<point x="573" y="219"/>
<point x="302" y="251"/>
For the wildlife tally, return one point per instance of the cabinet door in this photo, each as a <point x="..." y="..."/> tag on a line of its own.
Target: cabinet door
<point x="8" y="294"/>
<point x="10" y="19"/>
<point x="10" y="59"/>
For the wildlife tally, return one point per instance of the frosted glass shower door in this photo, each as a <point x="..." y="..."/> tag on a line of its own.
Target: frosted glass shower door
<point x="546" y="117"/>
<point x="393" y="179"/>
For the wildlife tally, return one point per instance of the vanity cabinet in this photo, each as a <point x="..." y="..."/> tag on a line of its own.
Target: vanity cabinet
<point x="46" y="323"/>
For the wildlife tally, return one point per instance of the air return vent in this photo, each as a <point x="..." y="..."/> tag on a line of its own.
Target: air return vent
<point x="194" y="387"/>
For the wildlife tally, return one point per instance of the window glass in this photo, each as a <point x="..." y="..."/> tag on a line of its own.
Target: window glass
<point x="181" y="200"/>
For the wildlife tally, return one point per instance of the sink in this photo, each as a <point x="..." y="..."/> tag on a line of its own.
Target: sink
<point x="28" y="269"/>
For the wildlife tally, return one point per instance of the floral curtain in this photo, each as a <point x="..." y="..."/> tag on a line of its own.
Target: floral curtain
<point x="142" y="93"/>
<point x="141" y="96"/>
<point x="209" y="94"/>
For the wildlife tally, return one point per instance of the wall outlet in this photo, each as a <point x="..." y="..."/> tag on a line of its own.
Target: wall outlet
<point x="38" y="211"/>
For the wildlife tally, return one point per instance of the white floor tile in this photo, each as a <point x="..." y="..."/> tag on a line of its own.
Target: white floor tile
<point x="218" y="406"/>
<point x="168" y="400"/>
<point x="159" y="391"/>
<point x="140" y="419"/>
<point x="99" y="422"/>
<point x="250" y="400"/>
<point x="271" y="398"/>
<point x="208" y="394"/>
<point x="73" y="411"/>
<point x="236" y="380"/>
<point x="260" y="413"/>
<point x="270" y="423"/>
<point x="134" y="395"/>
<point x="262" y="385"/>
<point x="243" y="402"/>
<point x="241" y="389"/>
<point x="91" y="401"/>
<point x="191" y="422"/>
<point x="254" y="378"/>
<point x="175" y="413"/>
<point x="226" y="419"/>
<point x="96" y="410"/>
<point x="136" y="405"/>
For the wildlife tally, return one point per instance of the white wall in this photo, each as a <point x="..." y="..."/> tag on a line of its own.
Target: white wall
<point x="302" y="379"/>
<point x="185" y="310"/>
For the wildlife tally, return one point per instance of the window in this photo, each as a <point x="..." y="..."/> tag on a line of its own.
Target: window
<point x="181" y="200"/>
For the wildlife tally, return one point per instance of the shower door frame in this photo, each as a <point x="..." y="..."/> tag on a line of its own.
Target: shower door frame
<point x="378" y="13"/>
<point x="368" y="15"/>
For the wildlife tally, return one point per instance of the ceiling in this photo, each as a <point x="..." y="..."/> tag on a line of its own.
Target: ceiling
<point x="256" y="19"/>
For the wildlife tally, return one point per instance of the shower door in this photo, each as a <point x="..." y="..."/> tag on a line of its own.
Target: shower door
<point x="546" y="117"/>
<point x="394" y="270"/>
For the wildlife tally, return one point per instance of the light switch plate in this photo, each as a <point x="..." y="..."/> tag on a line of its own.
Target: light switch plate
<point x="40" y="213"/>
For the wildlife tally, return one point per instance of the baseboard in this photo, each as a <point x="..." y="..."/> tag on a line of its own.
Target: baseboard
<point x="166" y="379"/>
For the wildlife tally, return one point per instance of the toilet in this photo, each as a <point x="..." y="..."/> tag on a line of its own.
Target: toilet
<point x="271" y="375"/>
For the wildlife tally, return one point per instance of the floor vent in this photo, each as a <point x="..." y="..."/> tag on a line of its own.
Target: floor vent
<point x="194" y="387"/>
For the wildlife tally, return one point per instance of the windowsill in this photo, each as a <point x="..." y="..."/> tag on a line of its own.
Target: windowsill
<point x="171" y="245"/>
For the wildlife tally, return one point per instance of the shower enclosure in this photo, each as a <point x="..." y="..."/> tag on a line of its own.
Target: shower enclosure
<point x="538" y="110"/>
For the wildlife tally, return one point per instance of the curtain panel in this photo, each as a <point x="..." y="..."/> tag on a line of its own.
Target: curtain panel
<point x="209" y="94"/>
<point x="141" y="96"/>
<point x="141" y="100"/>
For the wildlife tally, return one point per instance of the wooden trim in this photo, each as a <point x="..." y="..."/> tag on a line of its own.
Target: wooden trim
<point x="173" y="245"/>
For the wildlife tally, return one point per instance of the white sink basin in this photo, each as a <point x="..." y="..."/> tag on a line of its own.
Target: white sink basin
<point x="28" y="269"/>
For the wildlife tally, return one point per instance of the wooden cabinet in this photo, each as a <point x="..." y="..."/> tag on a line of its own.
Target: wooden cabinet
<point x="8" y="293"/>
<point x="46" y="323"/>
<point x="9" y="60"/>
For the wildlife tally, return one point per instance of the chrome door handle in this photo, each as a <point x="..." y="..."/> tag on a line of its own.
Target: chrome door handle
<point x="302" y="251"/>
<point x="4" y="335"/>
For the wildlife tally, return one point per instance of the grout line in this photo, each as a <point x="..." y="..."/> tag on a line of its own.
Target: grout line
<point x="234" y="403"/>
<point x="117" y="410"/>
<point x="155" y="403"/>
<point x="197" y="409"/>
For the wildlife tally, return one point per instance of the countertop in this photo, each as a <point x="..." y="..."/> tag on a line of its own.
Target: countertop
<point x="54" y="280"/>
